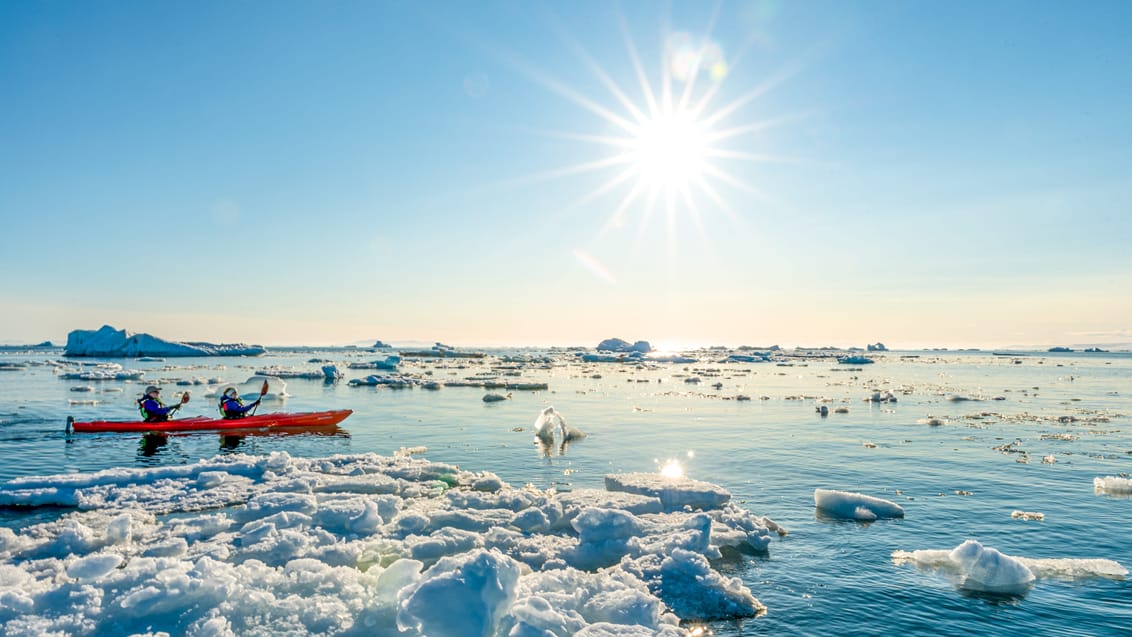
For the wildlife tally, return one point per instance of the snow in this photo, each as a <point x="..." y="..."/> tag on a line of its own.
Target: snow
<point x="366" y="544"/>
<point x="110" y="342"/>
<point x="855" y="506"/>
<point x="975" y="567"/>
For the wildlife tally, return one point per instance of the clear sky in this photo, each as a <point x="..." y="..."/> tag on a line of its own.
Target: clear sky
<point x="951" y="174"/>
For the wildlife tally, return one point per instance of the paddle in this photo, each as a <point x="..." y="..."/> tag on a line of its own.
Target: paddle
<point x="177" y="407"/>
<point x="262" y="393"/>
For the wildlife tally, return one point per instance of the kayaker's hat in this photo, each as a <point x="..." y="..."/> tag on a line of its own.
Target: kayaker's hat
<point x="149" y="390"/>
<point x="229" y="390"/>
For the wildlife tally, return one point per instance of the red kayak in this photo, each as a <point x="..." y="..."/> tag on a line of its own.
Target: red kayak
<point x="202" y="423"/>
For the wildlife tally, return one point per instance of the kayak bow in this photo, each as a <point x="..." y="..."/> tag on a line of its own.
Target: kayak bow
<point x="202" y="423"/>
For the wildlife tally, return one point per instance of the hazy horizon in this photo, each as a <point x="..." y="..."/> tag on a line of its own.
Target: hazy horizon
<point x="671" y="345"/>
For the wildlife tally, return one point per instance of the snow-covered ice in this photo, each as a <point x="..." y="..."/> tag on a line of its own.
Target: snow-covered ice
<point x="366" y="544"/>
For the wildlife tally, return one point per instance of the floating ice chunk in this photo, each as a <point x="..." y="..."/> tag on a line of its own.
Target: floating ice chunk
<point x="981" y="568"/>
<point x="741" y="530"/>
<point x="210" y="479"/>
<point x="392" y="382"/>
<point x="612" y="603"/>
<point x="986" y="569"/>
<point x="855" y="506"/>
<point x="686" y="582"/>
<point x="1075" y="569"/>
<point x="103" y="374"/>
<point x="1113" y="484"/>
<point x="551" y="423"/>
<point x="94" y="566"/>
<point x="600" y="525"/>
<point x="673" y="493"/>
<point x="460" y="596"/>
<point x="574" y="501"/>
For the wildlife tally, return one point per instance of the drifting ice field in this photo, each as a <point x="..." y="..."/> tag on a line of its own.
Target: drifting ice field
<point x="944" y="493"/>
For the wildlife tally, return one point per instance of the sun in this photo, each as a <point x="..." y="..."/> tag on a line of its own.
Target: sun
<point x="666" y="141"/>
<point x="669" y="150"/>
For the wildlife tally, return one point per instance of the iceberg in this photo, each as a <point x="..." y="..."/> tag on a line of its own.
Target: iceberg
<point x="618" y="345"/>
<point x="109" y="342"/>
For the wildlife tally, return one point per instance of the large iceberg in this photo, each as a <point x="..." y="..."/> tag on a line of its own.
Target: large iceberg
<point x="109" y="342"/>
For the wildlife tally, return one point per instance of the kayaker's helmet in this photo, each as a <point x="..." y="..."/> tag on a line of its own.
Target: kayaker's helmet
<point x="151" y="389"/>
<point x="229" y="391"/>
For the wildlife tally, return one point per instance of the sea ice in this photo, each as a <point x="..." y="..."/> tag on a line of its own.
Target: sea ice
<point x="673" y="493"/>
<point x="855" y="506"/>
<point x="980" y="568"/>
<point x="240" y="545"/>
<point x="1113" y="484"/>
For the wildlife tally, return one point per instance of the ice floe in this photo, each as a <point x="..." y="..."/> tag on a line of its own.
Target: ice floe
<point x="103" y="374"/>
<point x="371" y="545"/>
<point x="110" y="342"/>
<point x="855" y="506"/>
<point x="1113" y="484"/>
<point x="975" y="567"/>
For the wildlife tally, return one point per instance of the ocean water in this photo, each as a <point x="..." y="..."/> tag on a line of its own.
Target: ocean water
<point x="1025" y="432"/>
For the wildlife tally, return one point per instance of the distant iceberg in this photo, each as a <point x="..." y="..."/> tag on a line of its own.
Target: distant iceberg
<point x="618" y="345"/>
<point x="110" y="342"/>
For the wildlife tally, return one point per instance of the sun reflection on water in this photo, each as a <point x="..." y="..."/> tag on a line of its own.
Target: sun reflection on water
<point x="672" y="469"/>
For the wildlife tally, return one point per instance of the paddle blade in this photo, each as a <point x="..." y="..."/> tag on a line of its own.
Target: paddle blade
<point x="263" y="390"/>
<point x="184" y="398"/>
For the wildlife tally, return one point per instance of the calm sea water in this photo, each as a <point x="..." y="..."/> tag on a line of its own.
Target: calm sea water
<point x="956" y="480"/>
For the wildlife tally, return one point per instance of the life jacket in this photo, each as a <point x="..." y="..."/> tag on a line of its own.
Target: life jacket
<point x="149" y="416"/>
<point x="229" y="415"/>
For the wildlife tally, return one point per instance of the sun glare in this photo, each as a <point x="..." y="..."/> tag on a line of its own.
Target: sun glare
<point x="667" y="143"/>
<point x="672" y="470"/>
<point x="669" y="149"/>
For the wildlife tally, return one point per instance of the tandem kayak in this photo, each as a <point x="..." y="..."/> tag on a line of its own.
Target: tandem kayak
<point x="202" y="423"/>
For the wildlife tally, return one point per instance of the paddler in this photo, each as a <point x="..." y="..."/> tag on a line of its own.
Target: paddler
<point x="232" y="406"/>
<point x="151" y="407"/>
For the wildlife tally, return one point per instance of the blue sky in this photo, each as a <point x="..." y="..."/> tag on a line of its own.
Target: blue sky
<point x="920" y="173"/>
